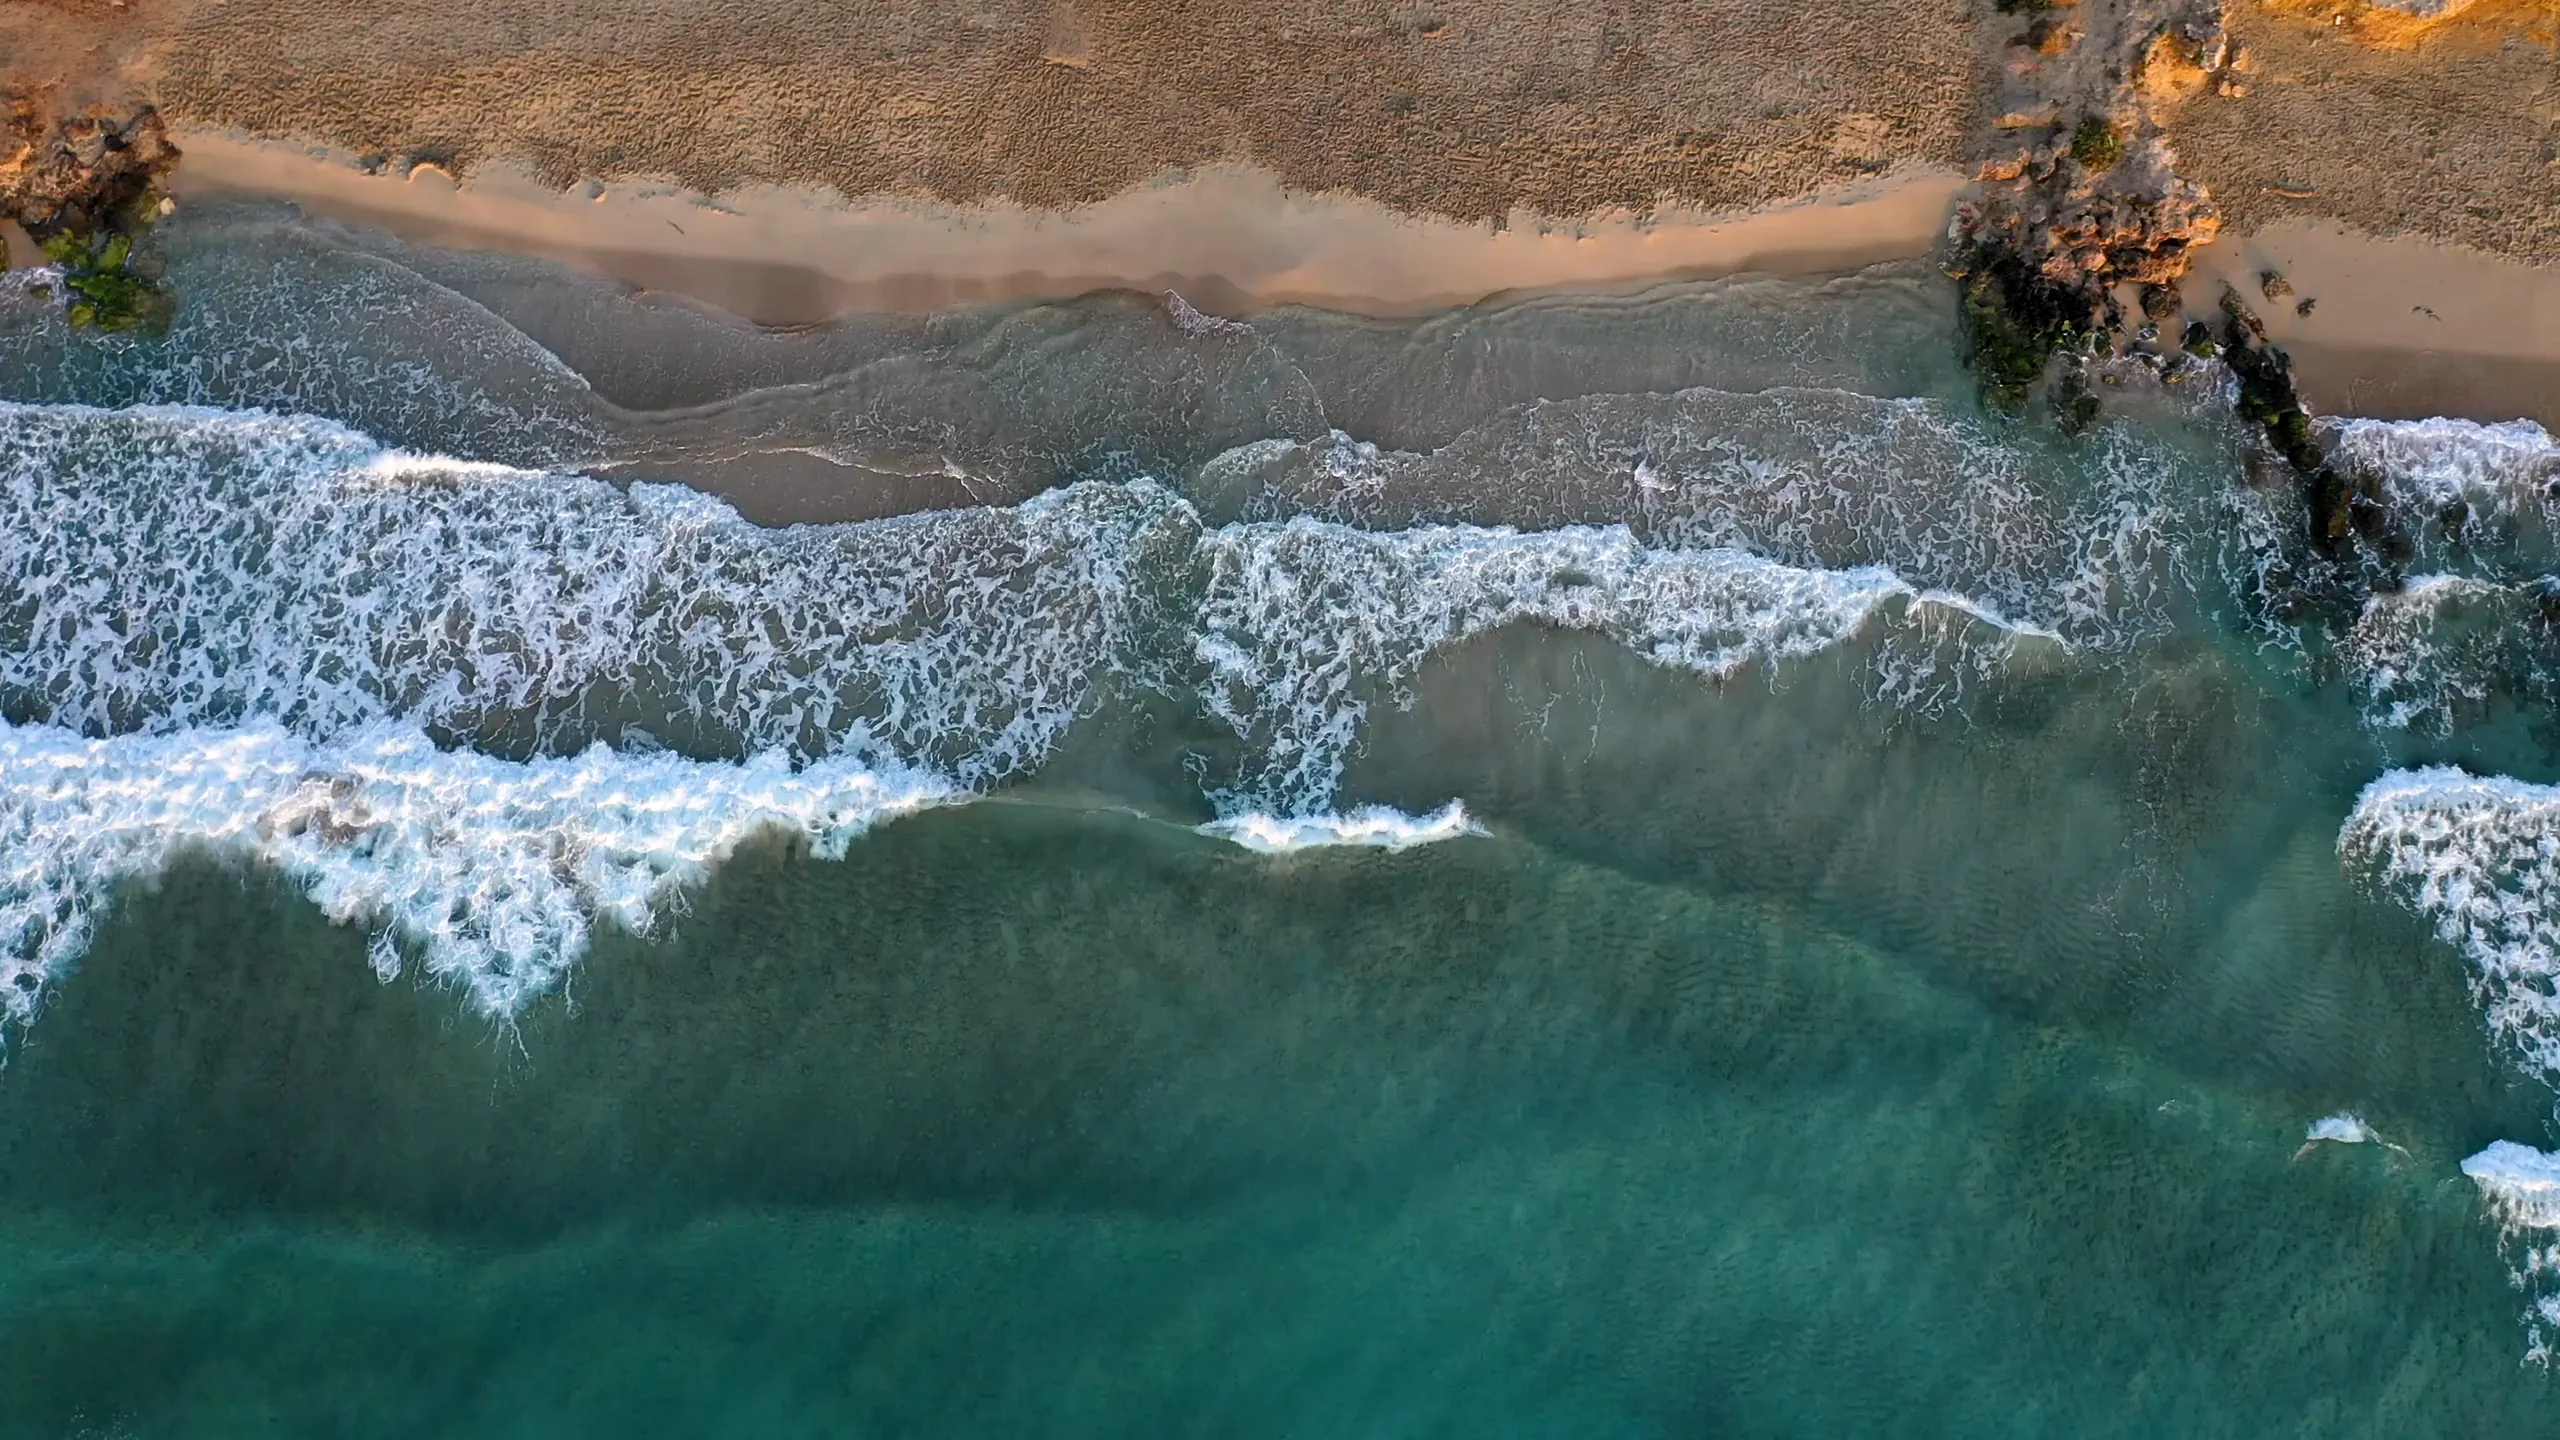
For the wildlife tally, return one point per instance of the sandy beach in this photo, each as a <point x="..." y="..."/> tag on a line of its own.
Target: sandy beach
<point x="1228" y="238"/>
<point x="792" y="169"/>
<point x="2399" y="327"/>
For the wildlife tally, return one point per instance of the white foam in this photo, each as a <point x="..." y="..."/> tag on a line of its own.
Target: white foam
<point x="493" y="872"/>
<point x="1978" y="610"/>
<point x="2520" y="1187"/>
<point x="2439" y="461"/>
<point x="164" y="569"/>
<point x="22" y="286"/>
<point x="1818" y="479"/>
<point x="1190" y="321"/>
<point x="1306" y="623"/>
<point x="2521" y="1184"/>
<point x="2345" y="1128"/>
<point x="2419" y="662"/>
<point x="1375" y="826"/>
<point x="2479" y="857"/>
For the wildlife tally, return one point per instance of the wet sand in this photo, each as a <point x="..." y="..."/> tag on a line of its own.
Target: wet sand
<point x="1228" y="238"/>
<point x="2400" y="327"/>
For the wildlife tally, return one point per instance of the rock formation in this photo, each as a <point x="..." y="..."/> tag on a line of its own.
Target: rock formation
<point x="81" y="185"/>
<point x="85" y="173"/>
<point x="2078" y="188"/>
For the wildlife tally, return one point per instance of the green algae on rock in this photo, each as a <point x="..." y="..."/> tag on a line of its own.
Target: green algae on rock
<point x="109" y="292"/>
<point x="84" y="186"/>
<point x="2015" y="321"/>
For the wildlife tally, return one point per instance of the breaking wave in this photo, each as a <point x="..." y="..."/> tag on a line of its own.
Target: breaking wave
<point x="2482" y="483"/>
<point x="2443" y="648"/>
<point x="167" y="569"/>
<point x="1813" y="478"/>
<point x="2520" y="1186"/>
<point x="2479" y="859"/>
<point x="1372" y="826"/>
<point x="2476" y="511"/>
<point x="212" y="623"/>
<point x="493" y="872"/>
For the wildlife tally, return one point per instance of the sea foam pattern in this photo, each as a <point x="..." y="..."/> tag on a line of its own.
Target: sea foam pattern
<point x="1814" y="478"/>
<point x="1376" y="827"/>
<point x="2479" y="858"/>
<point x="1307" y="622"/>
<point x="252" y="633"/>
<point x="2480" y="507"/>
<point x="2506" y="474"/>
<point x="2442" y="647"/>
<point x="169" y="569"/>
<point x="175" y="569"/>
<point x="2521" y="1188"/>
<point x="493" y="872"/>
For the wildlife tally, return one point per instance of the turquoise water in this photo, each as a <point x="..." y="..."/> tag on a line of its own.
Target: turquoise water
<point x="1915" y="890"/>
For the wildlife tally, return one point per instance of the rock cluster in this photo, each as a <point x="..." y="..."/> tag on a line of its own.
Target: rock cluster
<point x="84" y="174"/>
<point x="82" y="186"/>
<point x="2079" y="190"/>
<point x="2134" y="223"/>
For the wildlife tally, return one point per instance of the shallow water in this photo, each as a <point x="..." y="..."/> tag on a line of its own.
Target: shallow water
<point x="502" y="952"/>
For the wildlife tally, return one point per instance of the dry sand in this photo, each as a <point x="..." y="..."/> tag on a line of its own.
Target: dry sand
<point x="2451" y="133"/>
<point x="1470" y="109"/>
<point x="2399" y="328"/>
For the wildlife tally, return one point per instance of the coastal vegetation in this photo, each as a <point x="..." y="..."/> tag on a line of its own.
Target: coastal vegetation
<point x="2015" y="321"/>
<point x="2096" y="144"/>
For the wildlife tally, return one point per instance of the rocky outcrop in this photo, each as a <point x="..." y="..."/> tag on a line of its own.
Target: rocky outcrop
<point x="82" y="186"/>
<point x="2079" y="191"/>
<point x="2081" y="210"/>
<point x="86" y="173"/>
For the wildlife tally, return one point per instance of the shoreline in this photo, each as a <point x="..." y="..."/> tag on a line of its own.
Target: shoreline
<point x="1230" y="239"/>
<point x="2402" y="328"/>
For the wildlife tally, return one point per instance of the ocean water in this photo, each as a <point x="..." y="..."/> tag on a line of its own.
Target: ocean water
<point x="1612" y="865"/>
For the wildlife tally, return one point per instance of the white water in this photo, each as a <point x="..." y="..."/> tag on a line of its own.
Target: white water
<point x="1371" y="826"/>
<point x="2479" y="858"/>
<point x="2480" y="505"/>
<point x="1306" y="623"/>
<point x="171" y="569"/>
<point x="2493" y="468"/>
<point x="1812" y="478"/>
<point x="242" y="631"/>
<point x="167" y="569"/>
<point x="2520" y="1186"/>
<point x="2420" y="665"/>
<point x="494" y="873"/>
<point x="2343" y="1128"/>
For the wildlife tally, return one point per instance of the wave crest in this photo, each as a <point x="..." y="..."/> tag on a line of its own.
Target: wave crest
<point x="2478" y="858"/>
<point x="494" y="872"/>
